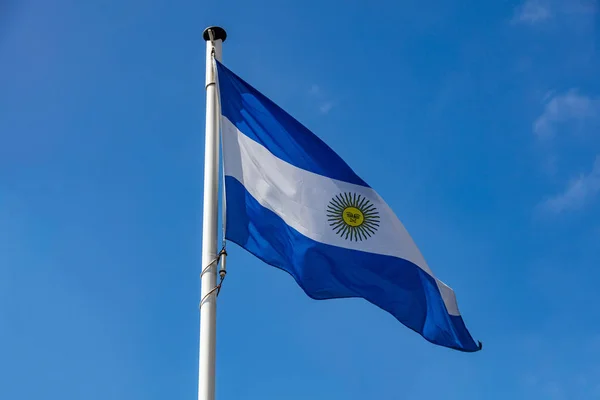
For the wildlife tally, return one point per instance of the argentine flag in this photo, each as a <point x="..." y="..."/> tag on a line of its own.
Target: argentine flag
<point x="296" y="205"/>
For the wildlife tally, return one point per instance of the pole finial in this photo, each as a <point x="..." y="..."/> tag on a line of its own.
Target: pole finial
<point x="218" y="33"/>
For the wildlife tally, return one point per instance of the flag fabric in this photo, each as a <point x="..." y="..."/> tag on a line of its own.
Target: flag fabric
<point x="295" y="204"/>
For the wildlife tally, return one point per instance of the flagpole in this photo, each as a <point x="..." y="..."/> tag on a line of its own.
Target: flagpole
<point x="214" y="37"/>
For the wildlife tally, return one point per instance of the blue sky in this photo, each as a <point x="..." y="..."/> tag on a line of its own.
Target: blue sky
<point x="477" y="122"/>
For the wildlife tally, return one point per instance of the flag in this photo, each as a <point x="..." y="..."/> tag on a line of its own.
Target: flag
<point x="295" y="204"/>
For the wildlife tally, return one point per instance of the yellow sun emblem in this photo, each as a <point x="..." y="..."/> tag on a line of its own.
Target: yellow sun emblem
<point x="352" y="216"/>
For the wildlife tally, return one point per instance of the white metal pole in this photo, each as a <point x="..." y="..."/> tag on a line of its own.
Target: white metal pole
<point x="214" y="37"/>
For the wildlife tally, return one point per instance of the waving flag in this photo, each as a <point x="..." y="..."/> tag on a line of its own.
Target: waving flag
<point x="295" y="204"/>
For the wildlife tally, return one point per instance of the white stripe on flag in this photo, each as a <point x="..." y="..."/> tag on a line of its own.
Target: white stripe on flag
<point x="301" y="198"/>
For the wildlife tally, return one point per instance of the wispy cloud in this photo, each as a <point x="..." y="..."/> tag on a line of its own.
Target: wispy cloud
<point x="578" y="193"/>
<point x="324" y="103"/>
<point x="570" y="106"/>
<point x="532" y="11"/>
<point x="326" y="107"/>
<point x="314" y="89"/>
<point x="568" y="113"/>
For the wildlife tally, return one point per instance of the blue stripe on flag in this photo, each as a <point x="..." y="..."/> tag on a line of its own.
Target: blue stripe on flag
<point x="324" y="271"/>
<point x="266" y="123"/>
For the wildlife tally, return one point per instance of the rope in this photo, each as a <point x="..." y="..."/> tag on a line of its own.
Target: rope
<point x="217" y="288"/>
<point x="223" y="270"/>
<point x="211" y="36"/>
<point x="223" y="191"/>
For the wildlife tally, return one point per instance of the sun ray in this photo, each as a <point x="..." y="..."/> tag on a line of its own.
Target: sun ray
<point x="363" y="203"/>
<point x="348" y="198"/>
<point x="337" y="202"/>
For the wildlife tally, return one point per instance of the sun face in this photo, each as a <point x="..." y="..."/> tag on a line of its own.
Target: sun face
<point x="352" y="216"/>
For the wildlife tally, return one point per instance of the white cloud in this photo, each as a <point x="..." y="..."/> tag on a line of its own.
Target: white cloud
<point x="314" y="89"/>
<point x="570" y="106"/>
<point x="532" y="11"/>
<point x="326" y="107"/>
<point x="324" y="104"/>
<point x="578" y="192"/>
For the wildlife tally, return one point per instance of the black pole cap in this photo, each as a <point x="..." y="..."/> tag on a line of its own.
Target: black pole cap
<point x="218" y="33"/>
